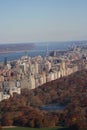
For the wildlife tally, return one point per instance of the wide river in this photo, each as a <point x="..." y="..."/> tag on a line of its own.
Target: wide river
<point x="40" y="49"/>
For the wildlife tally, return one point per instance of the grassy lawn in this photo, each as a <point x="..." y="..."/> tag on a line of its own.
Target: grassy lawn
<point x="24" y="128"/>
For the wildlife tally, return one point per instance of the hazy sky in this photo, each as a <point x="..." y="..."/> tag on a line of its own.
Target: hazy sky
<point x="42" y="20"/>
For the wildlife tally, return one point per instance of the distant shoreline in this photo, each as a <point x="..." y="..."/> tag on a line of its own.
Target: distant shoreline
<point x="21" y="51"/>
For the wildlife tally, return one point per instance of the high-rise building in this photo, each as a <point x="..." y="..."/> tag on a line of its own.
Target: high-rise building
<point x="36" y="67"/>
<point x="32" y="81"/>
<point x="5" y="61"/>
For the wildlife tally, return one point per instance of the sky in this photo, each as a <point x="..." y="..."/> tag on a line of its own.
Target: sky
<point x="42" y="20"/>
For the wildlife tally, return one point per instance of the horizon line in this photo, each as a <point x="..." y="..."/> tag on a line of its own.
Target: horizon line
<point x="30" y="42"/>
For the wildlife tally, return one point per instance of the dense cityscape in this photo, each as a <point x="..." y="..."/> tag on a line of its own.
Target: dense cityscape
<point x="32" y="72"/>
<point x="39" y="87"/>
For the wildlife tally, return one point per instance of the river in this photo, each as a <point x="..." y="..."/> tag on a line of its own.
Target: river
<point x="40" y="49"/>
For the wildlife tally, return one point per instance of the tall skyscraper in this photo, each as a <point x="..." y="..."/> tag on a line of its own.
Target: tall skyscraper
<point x="5" y="61"/>
<point x="47" y="50"/>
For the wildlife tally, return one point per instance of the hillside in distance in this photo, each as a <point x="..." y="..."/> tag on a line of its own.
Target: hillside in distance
<point x="16" y="47"/>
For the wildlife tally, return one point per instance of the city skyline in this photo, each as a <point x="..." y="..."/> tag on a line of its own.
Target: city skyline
<point x="42" y="20"/>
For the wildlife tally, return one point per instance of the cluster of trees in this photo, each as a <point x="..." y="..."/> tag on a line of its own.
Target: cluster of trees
<point x="62" y="91"/>
<point x="70" y="91"/>
<point x="21" y="115"/>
